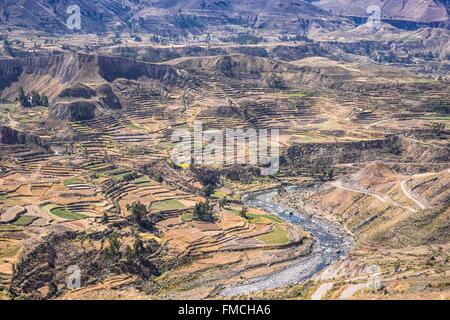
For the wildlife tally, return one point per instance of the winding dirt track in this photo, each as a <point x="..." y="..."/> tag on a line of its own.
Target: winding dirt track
<point x="407" y="192"/>
<point x="382" y="197"/>
<point x="322" y="291"/>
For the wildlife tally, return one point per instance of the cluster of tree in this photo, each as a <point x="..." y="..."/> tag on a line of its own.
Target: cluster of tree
<point x="395" y="148"/>
<point x="276" y="82"/>
<point x="32" y="100"/>
<point x="112" y="251"/>
<point x="243" y="213"/>
<point x="7" y="46"/>
<point x="203" y="211"/>
<point x="223" y="202"/>
<point x="297" y="37"/>
<point x="128" y="52"/>
<point x="157" y="39"/>
<point x="158" y="177"/>
<point x="322" y="167"/>
<point x="439" y="106"/>
<point x="187" y="22"/>
<point x="207" y="176"/>
<point x="437" y="129"/>
<point x="391" y="57"/>
<point x="52" y="289"/>
<point x="208" y="190"/>
<point x="138" y="212"/>
<point x="134" y="252"/>
<point x="244" y="38"/>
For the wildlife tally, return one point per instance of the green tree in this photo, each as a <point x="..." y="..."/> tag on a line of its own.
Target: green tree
<point x="437" y="129"/>
<point x="35" y="99"/>
<point x="208" y="190"/>
<point x="105" y="218"/>
<point x="129" y="254"/>
<point x="322" y="167"/>
<point x="24" y="100"/>
<point x="137" y="210"/>
<point x="203" y="211"/>
<point x="114" y="245"/>
<point x="138" y="247"/>
<point x="44" y="101"/>
<point x="7" y="45"/>
<point x="243" y="212"/>
<point x="52" y="289"/>
<point x="223" y="203"/>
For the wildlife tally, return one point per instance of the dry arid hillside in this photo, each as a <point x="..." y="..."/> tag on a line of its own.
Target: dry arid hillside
<point x="414" y="10"/>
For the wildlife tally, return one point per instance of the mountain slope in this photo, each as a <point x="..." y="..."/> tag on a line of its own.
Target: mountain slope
<point x="246" y="6"/>
<point x="51" y="15"/>
<point x="414" y="10"/>
<point x="159" y="16"/>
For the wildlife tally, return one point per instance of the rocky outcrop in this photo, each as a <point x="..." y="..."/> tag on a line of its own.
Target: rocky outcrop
<point x="112" y="68"/>
<point x="61" y="67"/>
<point x="47" y="261"/>
<point x="77" y="91"/>
<point x="62" y="77"/>
<point x="12" y="136"/>
<point x="107" y="97"/>
<point x="67" y="72"/>
<point x="340" y="152"/>
<point x="74" y="111"/>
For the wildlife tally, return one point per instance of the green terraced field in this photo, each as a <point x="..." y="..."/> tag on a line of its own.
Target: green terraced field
<point x="219" y="194"/>
<point x="258" y="218"/>
<point x="436" y="118"/>
<point x="8" y="227"/>
<point x="295" y="94"/>
<point x="72" y="181"/>
<point x="277" y="237"/>
<point x="187" y="217"/>
<point x="67" y="214"/>
<point x="141" y="180"/>
<point x="11" y="253"/>
<point x="116" y="174"/>
<point x="135" y="127"/>
<point x="24" y="220"/>
<point x="168" y="205"/>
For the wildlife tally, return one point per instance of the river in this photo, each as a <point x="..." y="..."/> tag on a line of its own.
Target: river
<point x="331" y="243"/>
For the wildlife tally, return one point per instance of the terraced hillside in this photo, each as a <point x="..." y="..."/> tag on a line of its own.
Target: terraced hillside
<point x="90" y="177"/>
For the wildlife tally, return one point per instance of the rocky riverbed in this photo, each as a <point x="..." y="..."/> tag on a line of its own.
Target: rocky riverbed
<point x="331" y="243"/>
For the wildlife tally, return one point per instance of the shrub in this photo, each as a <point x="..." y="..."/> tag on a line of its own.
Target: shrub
<point x="437" y="129"/>
<point x="24" y="100"/>
<point x="223" y="203"/>
<point x="323" y="168"/>
<point x="137" y="210"/>
<point x="208" y="190"/>
<point x="395" y="149"/>
<point x="244" y="212"/>
<point x="203" y="211"/>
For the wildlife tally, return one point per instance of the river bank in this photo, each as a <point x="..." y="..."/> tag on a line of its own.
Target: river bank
<point x="331" y="243"/>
